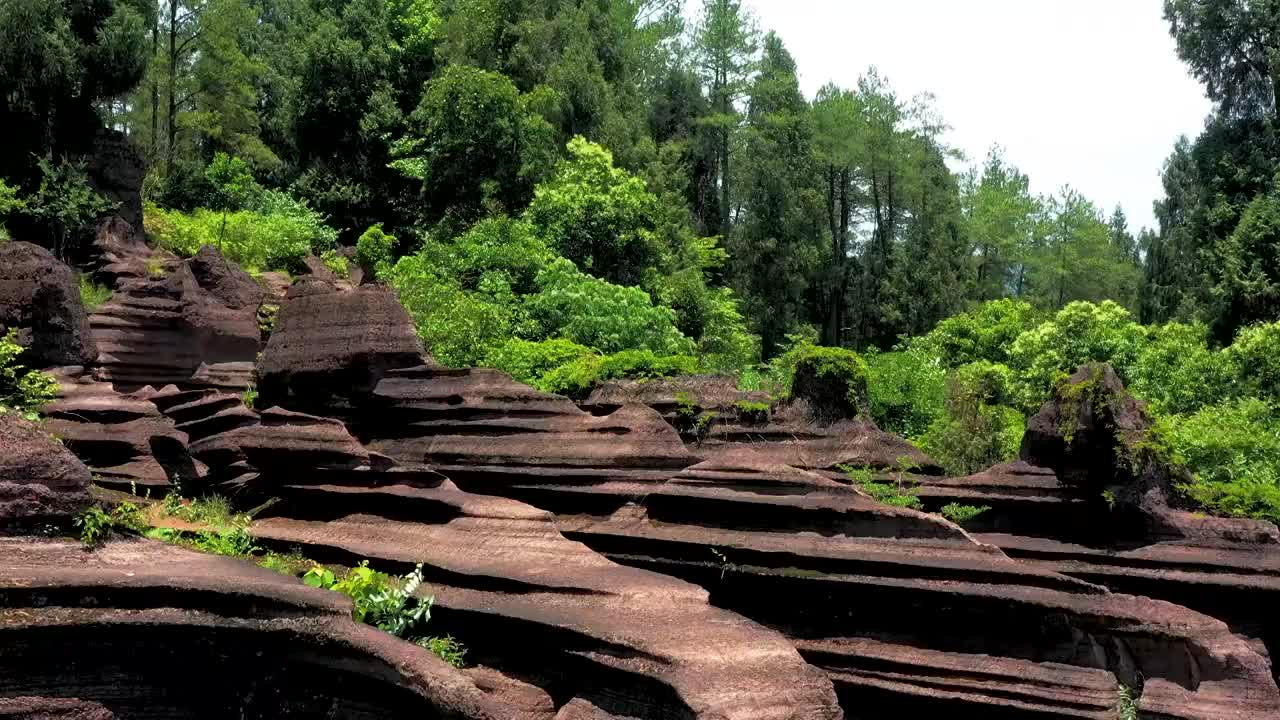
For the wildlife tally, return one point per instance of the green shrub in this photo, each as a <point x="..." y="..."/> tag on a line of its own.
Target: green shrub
<point x="1080" y="333"/>
<point x="445" y="648"/>
<point x="92" y="294"/>
<point x="1254" y="360"/>
<point x="459" y="328"/>
<point x="22" y="389"/>
<point x="375" y="250"/>
<point x="752" y="412"/>
<point x="387" y="603"/>
<point x="906" y="390"/>
<point x="985" y="333"/>
<point x="832" y="380"/>
<point x="528" y="361"/>
<point x="1176" y="371"/>
<point x="336" y="263"/>
<point x="961" y="514"/>
<point x="254" y="241"/>
<point x="577" y="378"/>
<point x="898" y="492"/>
<point x="1233" y="451"/>
<point x="98" y="526"/>
<point x="610" y="318"/>
<point x="977" y="428"/>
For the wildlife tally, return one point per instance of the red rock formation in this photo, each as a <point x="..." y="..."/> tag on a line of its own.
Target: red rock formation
<point x="196" y="327"/>
<point x="122" y="437"/>
<point x="150" y="630"/>
<point x="40" y="299"/>
<point x="41" y="482"/>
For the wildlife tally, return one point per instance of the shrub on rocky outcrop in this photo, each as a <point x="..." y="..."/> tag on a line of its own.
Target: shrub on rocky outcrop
<point x="833" y="381"/>
<point x="22" y="389"/>
<point x="374" y="251"/>
<point x="978" y="428"/>
<point x="576" y="378"/>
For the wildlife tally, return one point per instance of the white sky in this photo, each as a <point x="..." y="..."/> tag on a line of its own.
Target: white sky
<point x="1082" y="92"/>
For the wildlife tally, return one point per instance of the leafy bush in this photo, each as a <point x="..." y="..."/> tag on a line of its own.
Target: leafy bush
<point x="529" y="361"/>
<point x="379" y="600"/>
<point x="906" y="390"/>
<point x="22" y="389"/>
<point x="1233" y="451"/>
<point x="445" y="648"/>
<point x="10" y="202"/>
<point x="1254" y="360"/>
<point x="961" y="514"/>
<point x="374" y="250"/>
<point x="64" y="203"/>
<point x="592" y="312"/>
<point x="252" y="240"/>
<point x="576" y="378"/>
<point x="336" y="263"/>
<point x="985" y="333"/>
<point x="1080" y="333"/>
<point x="458" y="327"/>
<point x="98" y="526"/>
<point x="977" y="428"/>
<point x="1176" y="372"/>
<point x="598" y="216"/>
<point x="832" y="380"/>
<point x="898" y="492"/>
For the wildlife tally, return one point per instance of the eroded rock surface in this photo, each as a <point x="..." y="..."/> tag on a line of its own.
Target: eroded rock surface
<point x="41" y="482"/>
<point x="138" y="629"/>
<point x="40" y="299"/>
<point x="194" y="324"/>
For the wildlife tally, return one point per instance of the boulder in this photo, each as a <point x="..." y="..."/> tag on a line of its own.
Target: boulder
<point x="39" y="297"/>
<point x="41" y="482"/>
<point x="329" y="344"/>
<point x="1096" y="438"/>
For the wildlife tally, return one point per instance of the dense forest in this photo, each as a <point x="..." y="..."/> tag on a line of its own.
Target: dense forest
<point x="573" y="190"/>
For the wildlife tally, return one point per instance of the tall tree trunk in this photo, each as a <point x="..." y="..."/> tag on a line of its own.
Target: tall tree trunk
<point x="173" y="90"/>
<point x="155" y="92"/>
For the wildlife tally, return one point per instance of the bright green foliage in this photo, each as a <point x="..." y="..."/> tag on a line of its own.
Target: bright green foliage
<point x="231" y="183"/>
<point x="978" y="428"/>
<point x="598" y="216"/>
<point x="253" y="240"/>
<point x="906" y="389"/>
<point x="214" y="511"/>
<point x="337" y="264"/>
<point x="97" y="525"/>
<point x="1003" y="220"/>
<point x="22" y="389"/>
<point x="984" y="333"/>
<point x="1080" y="333"/>
<point x="610" y="318"/>
<point x="1126" y="703"/>
<point x="1233" y="450"/>
<point x="10" y="202"/>
<point x="832" y="380"/>
<point x="961" y="514"/>
<point x="1254" y="360"/>
<point x="576" y="378"/>
<point x="387" y="603"/>
<point x="1177" y="372"/>
<point x="234" y="542"/>
<point x="528" y="361"/>
<point x="446" y="648"/>
<point x="898" y="491"/>
<point x="65" y="204"/>
<point x="374" y="250"/>
<point x="92" y="294"/>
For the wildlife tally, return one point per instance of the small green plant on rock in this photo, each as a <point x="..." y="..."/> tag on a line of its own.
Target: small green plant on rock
<point x="446" y="648"/>
<point x="336" y="263"/>
<point x="92" y="294"/>
<point x="1126" y="703"/>
<point x="380" y="600"/>
<point x="898" y="493"/>
<point x="752" y="412"/>
<point x="961" y="514"/>
<point x="22" y="389"/>
<point x="97" y="525"/>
